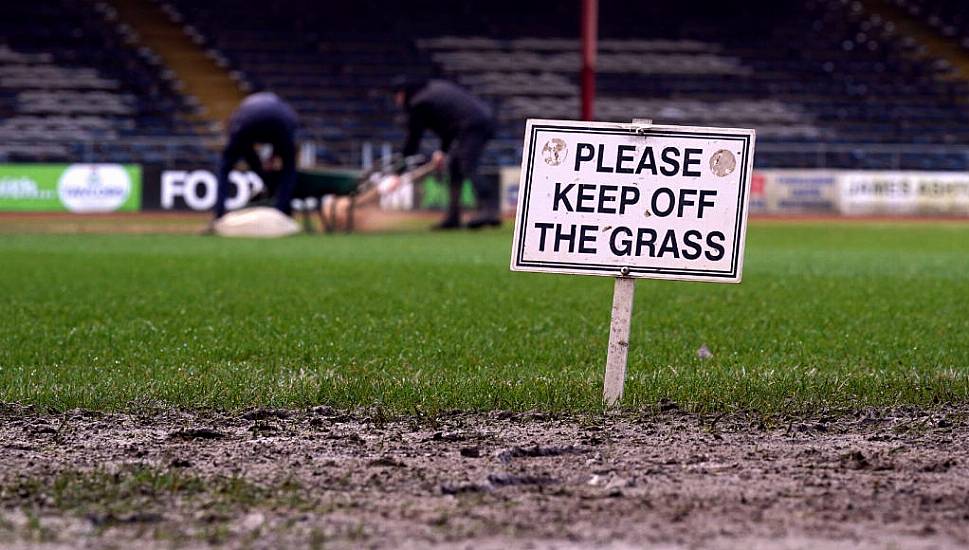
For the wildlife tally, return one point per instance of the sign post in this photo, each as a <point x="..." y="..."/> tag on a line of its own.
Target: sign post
<point x="622" y="312"/>
<point x="632" y="201"/>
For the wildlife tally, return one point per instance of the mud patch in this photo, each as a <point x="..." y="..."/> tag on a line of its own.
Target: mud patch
<point x="270" y="478"/>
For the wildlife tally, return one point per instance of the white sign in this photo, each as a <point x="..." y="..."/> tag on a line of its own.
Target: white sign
<point x="199" y="189"/>
<point x="906" y="193"/>
<point x="85" y="188"/>
<point x="661" y="202"/>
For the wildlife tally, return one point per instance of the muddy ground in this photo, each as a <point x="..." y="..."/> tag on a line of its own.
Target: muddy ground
<point x="324" y="478"/>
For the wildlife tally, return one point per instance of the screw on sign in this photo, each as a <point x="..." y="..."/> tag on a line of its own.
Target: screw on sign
<point x="632" y="201"/>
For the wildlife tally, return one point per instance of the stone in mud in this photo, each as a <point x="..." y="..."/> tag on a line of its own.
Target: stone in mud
<point x="471" y="452"/>
<point x="506" y="455"/>
<point x="196" y="433"/>
<point x="263" y="414"/>
<point x="502" y="479"/>
<point x="465" y="488"/>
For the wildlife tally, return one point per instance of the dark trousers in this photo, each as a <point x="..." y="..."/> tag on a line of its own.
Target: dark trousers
<point x="281" y="186"/>
<point x="464" y="155"/>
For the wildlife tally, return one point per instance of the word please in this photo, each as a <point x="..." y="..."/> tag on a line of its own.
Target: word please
<point x="625" y="160"/>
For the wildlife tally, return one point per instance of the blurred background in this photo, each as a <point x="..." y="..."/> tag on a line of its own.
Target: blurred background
<point x="859" y="107"/>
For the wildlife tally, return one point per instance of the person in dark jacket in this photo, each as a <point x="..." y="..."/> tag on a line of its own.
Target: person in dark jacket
<point x="262" y="118"/>
<point x="464" y="124"/>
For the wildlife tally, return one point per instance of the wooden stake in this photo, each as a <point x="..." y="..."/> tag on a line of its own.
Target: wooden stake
<point x="622" y="310"/>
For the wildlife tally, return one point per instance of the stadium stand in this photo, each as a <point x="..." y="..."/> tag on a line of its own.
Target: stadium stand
<point x="802" y="74"/>
<point x="825" y="82"/>
<point x="72" y="89"/>
<point x="332" y="65"/>
<point x="950" y="18"/>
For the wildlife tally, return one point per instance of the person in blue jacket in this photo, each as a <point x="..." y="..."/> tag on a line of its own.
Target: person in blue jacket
<point x="261" y="119"/>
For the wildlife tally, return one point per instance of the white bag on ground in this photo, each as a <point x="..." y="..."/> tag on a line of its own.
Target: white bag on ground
<point x="260" y="221"/>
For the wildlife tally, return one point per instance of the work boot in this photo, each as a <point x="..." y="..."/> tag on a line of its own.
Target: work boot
<point x="448" y="223"/>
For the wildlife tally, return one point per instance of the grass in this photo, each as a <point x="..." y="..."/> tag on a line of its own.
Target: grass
<point x="144" y="496"/>
<point x="830" y="315"/>
<point x="140" y="489"/>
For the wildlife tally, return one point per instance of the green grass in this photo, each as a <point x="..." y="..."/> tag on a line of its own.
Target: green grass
<point x="829" y="315"/>
<point x="141" y="496"/>
<point x="140" y="488"/>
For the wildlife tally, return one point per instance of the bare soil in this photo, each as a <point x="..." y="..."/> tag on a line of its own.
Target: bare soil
<point x="662" y="478"/>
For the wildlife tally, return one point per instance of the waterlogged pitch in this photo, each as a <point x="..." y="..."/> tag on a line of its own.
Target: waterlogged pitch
<point x="839" y="315"/>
